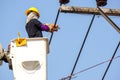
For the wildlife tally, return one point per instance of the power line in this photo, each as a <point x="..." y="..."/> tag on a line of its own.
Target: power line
<point x="109" y="20"/>
<point x="65" y="78"/>
<point x="82" y="46"/>
<point x="110" y="61"/>
<point x="55" y="24"/>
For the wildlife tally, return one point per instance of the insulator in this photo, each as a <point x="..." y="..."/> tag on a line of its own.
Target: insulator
<point x="64" y="1"/>
<point x="101" y="2"/>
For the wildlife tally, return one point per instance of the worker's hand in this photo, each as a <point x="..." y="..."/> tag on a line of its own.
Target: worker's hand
<point x="53" y="27"/>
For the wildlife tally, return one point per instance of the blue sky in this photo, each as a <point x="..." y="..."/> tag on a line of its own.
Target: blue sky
<point x="100" y="45"/>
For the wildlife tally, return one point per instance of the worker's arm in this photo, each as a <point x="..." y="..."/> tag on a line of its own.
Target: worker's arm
<point x="46" y="27"/>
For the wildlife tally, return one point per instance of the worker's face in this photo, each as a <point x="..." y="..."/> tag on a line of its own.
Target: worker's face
<point x="34" y="13"/>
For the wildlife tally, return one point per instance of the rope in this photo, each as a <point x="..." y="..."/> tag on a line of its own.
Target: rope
<point x="65" y="78"/>
<point x="110" y="61"/>
<point x="54" y="25"/>
<point x="82" y="46"/>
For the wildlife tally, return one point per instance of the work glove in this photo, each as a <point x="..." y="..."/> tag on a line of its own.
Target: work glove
<point x="53" y="27"/>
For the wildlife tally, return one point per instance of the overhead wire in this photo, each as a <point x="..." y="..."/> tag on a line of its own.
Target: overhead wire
<point x="82" y="46"/>
<point x="72" y="73"/>
<point x="86" y="69"/>
<point x="58" y="12"/>
<point x="108" y="19"/>
<point x="111" y="61"/>
<point x="61" y="2"/>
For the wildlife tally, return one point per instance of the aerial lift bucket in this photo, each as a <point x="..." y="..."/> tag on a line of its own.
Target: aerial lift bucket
<point x="29" y="58"/>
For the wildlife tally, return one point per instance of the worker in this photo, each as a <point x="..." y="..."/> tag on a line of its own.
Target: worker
<point x="34" y="27"/>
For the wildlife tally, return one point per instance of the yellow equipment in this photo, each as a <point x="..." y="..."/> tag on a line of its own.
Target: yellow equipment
<point x="32" y="9"/>
<point x="20" y="41"/>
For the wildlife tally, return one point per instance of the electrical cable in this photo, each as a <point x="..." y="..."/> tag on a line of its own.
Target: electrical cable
<point x="110" y="61"/>
<point x="109" y="20"/>
<point x="54" y="24"/>
<point x="82" y="46"/>
<point x="65" y="78"/>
